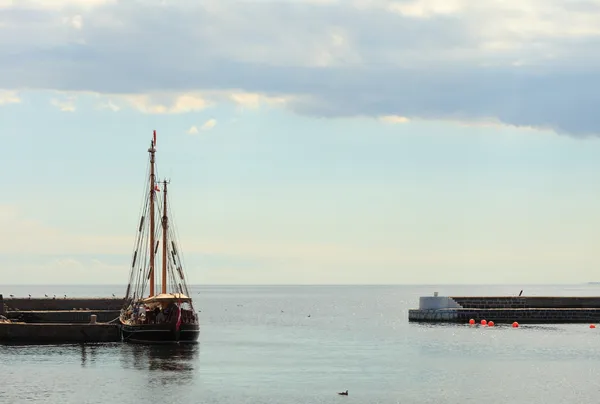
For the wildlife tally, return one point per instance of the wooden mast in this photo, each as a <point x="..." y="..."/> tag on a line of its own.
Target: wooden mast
<point x="164" y="240"/>
<point x="152" y="151"/>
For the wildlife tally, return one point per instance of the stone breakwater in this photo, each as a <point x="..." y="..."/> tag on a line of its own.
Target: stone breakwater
<point x="58" y="320"/>
<point x="62" y="316"/>
<point x="22" y="333"/>
<point x="60" y="310"/>
<point x="60" y="303"/>
<point x="507" y="309"/>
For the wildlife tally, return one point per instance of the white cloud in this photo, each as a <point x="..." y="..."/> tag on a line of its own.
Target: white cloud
<point x="9" y="97"/>
<point x="211" y="123"/>
<point x="65" y="105"/>
<point x="255" y="100"/>
<point x="163" y="104"/>
<point x="192" y="130"/>
<point x="426" y="8"/>
<point x="177" y="103"/>
<point x="110" y="105"/>
<point x="430" y="59"/>
<point x="54" y="4"/>
<point x="74" y="22"/>
<point x="394" y="119"/>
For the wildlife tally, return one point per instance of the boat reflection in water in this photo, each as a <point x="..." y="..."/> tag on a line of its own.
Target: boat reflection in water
<point x="172" y="362"/>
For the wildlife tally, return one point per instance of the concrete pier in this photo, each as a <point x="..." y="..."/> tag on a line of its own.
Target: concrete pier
<point x="61" y="303"/>
<point x="62" y="316"/>
<point x="60" y="320"/>
<point x="58" y="333"/>
<point x="507" y="309"/>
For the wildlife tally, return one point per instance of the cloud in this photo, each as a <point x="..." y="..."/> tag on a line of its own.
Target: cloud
<point x="9" y="97"/>
<point x="393" y="119"/>
<point x="65" y="105"/>
<point x="166" y="104"/>
<point x="208" y="125"/>
<point x="525" y="63"/>
<point x="54" y="4"/>
<point x="425" y="8"/>
<point x="75" y="21"/>
<point x="110" y="105"/>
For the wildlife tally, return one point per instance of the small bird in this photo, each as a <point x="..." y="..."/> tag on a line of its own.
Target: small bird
<point x="113" y="295"/>
<point x="65" y="296"/>
<point x="30" y="296"/>
<point x="12" y="295"/>
<point x="46" y="295"/>
<point x="343" y="393"/>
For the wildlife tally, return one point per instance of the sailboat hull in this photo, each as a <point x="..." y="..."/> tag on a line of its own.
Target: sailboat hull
<point x="160" y="333"/>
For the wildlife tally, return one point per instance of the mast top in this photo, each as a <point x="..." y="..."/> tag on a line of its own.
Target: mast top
<point x="152" y="148"/>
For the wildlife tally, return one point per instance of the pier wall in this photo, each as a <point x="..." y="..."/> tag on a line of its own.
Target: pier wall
<point x="50" y="304"/>
<point x="507" y="309"/>
<point x="62" y="316"/>
<point x="507" y="316"/>
<point x="531" y="302"/>
<point x="437" y="303"/>
<point x="58" y="333"/>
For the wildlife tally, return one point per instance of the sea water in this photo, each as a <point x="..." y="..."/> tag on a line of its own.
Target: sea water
<point x="303" y="344"/>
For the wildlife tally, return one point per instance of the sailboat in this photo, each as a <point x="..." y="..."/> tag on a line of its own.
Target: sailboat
<point x="155" y="312"/>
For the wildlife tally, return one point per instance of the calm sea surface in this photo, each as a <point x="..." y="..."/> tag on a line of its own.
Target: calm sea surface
<point x="259" y="345"/>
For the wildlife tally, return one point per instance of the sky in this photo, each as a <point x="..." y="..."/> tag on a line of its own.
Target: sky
<point x="307" y="141"/>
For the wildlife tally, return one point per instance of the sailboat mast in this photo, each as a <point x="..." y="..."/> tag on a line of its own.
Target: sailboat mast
<point x="152" y="152"/>
<point x="164" y="245"/>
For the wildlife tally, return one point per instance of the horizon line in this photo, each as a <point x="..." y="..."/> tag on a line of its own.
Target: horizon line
<point x="323" y="284"/>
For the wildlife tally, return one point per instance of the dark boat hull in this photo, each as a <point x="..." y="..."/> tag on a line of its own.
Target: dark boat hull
<point x="160" y="333"/>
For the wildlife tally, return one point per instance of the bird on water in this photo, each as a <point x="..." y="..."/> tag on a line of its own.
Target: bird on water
<point x="343" y="393"/>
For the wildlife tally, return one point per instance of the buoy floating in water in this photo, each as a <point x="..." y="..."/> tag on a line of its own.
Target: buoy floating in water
<point x="515" y="324"/>
<point x="483" y="322"/>
<point x="490" y="324"/>
<point x="592" y="326"/>
<point x="471" y="321"/>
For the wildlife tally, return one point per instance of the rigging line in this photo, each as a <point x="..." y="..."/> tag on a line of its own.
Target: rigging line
<point x="143" y="204"/>
<point x="141" y="211"/>
<point x="182" y="275"/>
<point x="141" y="274"/>
<point x="139" y="246"/>
<point x="172" y="278"/>
<point x="175" y="235"/>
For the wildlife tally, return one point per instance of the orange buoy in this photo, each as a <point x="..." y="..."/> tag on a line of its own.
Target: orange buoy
<point x="471" y="321"/>
<point x="515" y="324"/>
<point x="490" y="324"/>
<point x="592" y="326"/>
<point x="483" y="322"/>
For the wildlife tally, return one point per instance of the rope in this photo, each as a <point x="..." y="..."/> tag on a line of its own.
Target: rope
<point x="111" y="321"/>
